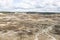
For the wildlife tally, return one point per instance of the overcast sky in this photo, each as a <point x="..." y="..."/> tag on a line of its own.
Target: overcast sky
<point x="30" y="5"/>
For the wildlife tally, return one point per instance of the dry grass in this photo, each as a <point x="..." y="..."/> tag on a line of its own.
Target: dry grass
<point x="26" y="26"/>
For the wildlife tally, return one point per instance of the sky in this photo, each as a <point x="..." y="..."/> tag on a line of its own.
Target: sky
<point x="30" y="5"/>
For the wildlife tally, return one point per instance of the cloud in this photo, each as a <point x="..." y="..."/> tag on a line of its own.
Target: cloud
<point x="30" y="5"/>
<point x="6" y="3"/>
<point x="25" y="4"/>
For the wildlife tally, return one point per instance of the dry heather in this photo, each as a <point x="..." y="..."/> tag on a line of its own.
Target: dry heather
<point x="29" y="26"/>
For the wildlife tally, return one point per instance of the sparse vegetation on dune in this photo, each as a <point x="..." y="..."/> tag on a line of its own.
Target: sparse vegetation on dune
<point x="22" y="26"/>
